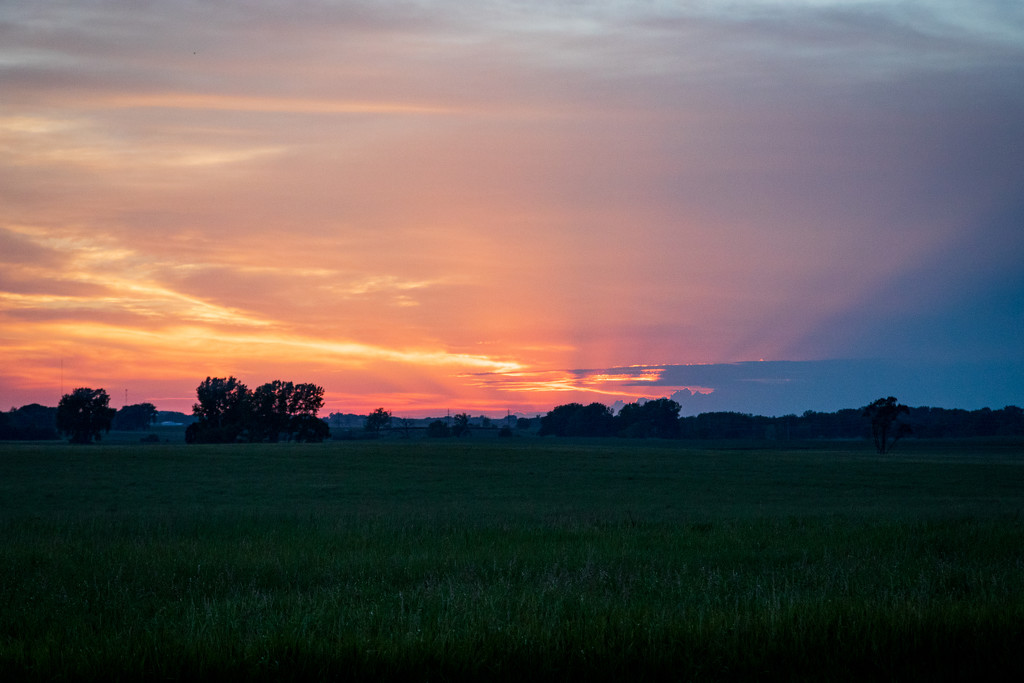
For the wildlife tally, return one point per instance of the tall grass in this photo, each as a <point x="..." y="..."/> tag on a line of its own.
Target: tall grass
<point x="569" y="561"/>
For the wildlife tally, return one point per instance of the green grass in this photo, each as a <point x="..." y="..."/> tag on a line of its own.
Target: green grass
<point x="463" y="560"/>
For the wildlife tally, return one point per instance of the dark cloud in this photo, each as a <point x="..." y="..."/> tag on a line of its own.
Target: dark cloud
<point x="792" y="387"/>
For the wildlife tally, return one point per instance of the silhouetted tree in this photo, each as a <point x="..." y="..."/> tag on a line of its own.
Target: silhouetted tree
<point x="574" y="419"/>
<point x="885" y="428"/>
<point x="223" y="411"/>
<point x="269" y="413"/>
<point x="84" y="413"/>
<point x="556" y="422"/>
<point x="306" y="399"/>
<point x="658" y="418"/>
<point x="461" y="426"/>
<point x="135" y="417"/>
<point x="228" y="412"/>
<point x="378" y="420"/>
<point x="305" y="402"/>
<point x="595" y="419"/>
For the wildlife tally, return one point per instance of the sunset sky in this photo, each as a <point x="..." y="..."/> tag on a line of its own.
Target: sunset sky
<point x="758" y="205"/>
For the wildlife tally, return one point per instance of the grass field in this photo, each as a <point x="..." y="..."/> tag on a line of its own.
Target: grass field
<point x="512" y="559"/>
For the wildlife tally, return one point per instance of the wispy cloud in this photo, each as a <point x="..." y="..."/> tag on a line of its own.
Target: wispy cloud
<point x="585" y="385"/>
<point x="244" y="103"/>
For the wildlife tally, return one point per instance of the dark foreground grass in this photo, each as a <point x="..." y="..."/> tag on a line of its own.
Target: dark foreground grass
<point x="550" y="560"/>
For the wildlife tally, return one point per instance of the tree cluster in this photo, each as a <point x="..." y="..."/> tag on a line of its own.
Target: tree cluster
<point x="460" y="426"/>
<point x="377" y="421"/>
<point x="658" y="418"/>
<point x="227" y="412"/>
<point x="135" y="418"/>
<point x="32" y="422"/>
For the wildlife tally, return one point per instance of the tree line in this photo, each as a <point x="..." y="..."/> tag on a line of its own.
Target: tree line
<point x="850" y="423"/>
<point x="82" y="409"/>
<point x="226" y="411"/>
<point x="884" y="421"/>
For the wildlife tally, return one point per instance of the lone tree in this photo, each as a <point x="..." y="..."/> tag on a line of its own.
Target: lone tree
<point x="84" y="413"/>
<point x="378" y="420"/>
<point x="885" y="429"/>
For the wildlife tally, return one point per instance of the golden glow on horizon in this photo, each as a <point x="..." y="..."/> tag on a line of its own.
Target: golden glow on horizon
<point x="129" y="312"/>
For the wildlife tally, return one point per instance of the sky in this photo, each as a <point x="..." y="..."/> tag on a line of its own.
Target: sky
<point x="767" y="206"/>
